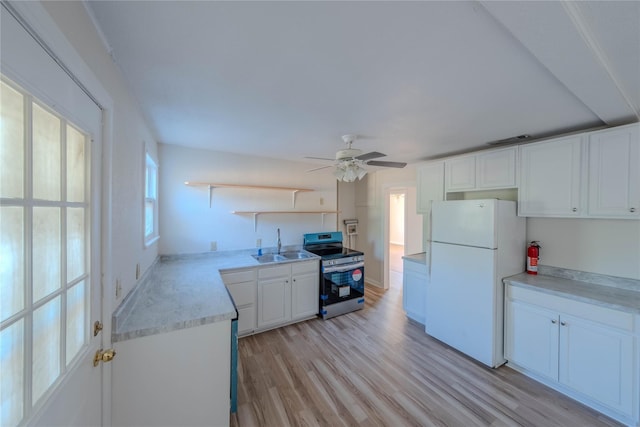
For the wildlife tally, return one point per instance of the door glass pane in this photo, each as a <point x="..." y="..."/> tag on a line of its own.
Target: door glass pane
<point x="12" y="368"/>
<point x="46" y="347"/>
<point x="75" y="243"/>
<point x="46" y="251"/>
<point x="75" y="320"/>
<point x="11" y="142"/>
<point x="11" y="261"/>
<point x="46" y="154"/>
<point x="75" y="165"/>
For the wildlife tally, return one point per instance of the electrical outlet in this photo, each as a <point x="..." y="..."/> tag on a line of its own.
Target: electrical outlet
<point x="321" y="201"/>
<point x="214" y="246"/>
<point x="118" y="289"/>
<point x="258" y="243"/>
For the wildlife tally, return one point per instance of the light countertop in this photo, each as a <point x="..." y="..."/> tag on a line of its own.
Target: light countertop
<point x="180" y="292"/>
<point x="420" y="258"/>
<point x="620" y="294"/>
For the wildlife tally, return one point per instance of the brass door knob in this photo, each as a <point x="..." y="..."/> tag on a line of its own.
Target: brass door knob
<point x="103" y="356"/>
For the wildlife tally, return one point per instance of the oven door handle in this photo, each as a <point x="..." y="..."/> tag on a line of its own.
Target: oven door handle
<point x="343" y="267"/>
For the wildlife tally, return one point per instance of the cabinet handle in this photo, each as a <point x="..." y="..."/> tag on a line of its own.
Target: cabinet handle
<point x="632" y="209"/>
<point x="575" y="209"/>
<point x="554" y="321"/>
<point x="563" y="323"/>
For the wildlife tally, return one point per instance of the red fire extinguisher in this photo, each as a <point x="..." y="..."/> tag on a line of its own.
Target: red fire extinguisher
<point x="533" y="253"/>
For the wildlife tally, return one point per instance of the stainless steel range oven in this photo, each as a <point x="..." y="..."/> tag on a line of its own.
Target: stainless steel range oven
<point x="341" y="274"/>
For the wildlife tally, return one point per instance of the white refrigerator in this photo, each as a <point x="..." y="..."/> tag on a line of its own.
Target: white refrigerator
<point x="474" y="244"/>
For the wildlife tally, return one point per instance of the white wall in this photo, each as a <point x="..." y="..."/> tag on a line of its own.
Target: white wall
<point x="347" y="208"/>
<point x="370" y="210"/>
<point x="600" y="246"/>
<point x="189" y="225"/>
<point x="129" y="133"/>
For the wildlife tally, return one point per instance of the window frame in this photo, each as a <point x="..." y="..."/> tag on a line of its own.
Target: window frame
<point x="150" y="186"/>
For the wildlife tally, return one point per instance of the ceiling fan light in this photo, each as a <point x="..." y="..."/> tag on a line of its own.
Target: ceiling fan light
<point x="361" y="173"/>
<point x="350" y="174"/>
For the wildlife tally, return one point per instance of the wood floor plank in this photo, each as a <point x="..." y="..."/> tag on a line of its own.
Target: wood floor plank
<point x="375" y="367"/>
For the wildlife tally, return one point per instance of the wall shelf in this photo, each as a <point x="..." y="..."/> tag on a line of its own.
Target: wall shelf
<point x="257" y="213"/>
<point x="211" y="186"/>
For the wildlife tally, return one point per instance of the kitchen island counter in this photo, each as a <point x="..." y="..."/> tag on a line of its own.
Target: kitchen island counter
<point x="178" y="292"/>
<point x="420" y="258"/>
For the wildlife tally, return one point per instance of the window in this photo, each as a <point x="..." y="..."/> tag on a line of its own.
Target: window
<point x="44" y="250"/>
<point x="150" y="201"/>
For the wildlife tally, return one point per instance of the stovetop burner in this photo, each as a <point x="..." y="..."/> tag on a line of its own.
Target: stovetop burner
<point x="329" y="247"/>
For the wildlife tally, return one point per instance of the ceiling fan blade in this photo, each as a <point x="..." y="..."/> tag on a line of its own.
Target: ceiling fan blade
<point x="318" y="158"/>
<point x="317" y="169"/>
<point x="387" y="164"/>
<point x="369" y="156"/>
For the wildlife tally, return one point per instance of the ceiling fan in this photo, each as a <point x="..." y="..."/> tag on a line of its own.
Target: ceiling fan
<point x="349" y="163"/>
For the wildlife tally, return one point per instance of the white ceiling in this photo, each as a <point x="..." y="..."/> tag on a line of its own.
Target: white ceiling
<point x="418" y="80"/>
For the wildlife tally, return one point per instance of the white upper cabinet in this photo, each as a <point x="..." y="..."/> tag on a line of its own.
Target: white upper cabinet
<point x="496" y="169"/>
<point x="460" y="173"/>
<point x="550" y="178"/>
<point x="430" y="185"/>
<point x="486" y="170"/>
<point x="614" y="172"/>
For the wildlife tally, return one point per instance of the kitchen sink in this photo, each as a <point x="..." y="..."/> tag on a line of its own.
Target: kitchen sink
<point x="269" y="258"/>
<point x="296" y="255"/>
<point x="284" y="256"/>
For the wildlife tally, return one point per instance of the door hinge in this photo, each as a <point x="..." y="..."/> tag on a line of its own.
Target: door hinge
<point x="97" y="327"/>
<point x="103" y="356"/>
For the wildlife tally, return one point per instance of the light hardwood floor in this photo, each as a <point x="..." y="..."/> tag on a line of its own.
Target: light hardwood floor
<point x="373" y="367"/>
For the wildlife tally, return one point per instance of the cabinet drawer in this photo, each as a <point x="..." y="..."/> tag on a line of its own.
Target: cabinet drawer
<point x="243" y="293"/>
<point x="595" y="313"/>
<point x="305" y="267"/>
<point x="246" y="319"/>
<point x="277" y="271"/>
<point x="232" y="277"/>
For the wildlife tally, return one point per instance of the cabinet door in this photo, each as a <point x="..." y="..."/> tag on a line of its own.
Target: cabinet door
<point x="414" y="290"/>
<point x="614" y="173"/>
<point x="550" y="178"/>
<point x="460" y="173"/>
<point x="531" y="338"/>
<point x="496" y="169"/>
<point x="304" y="295"/>
<point x="274" y="301"/>
<point x="597" y="361"/>
<point x="430" y="185"/>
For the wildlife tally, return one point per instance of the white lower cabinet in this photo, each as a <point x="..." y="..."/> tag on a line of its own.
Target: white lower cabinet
<point x="242" y="285"/>
<point x="305" y="292"/>
<point x="287" y="292"/>
<point x="175" y="378"/>
<point x="584" y="350"/>
<point x="414" y="289"/>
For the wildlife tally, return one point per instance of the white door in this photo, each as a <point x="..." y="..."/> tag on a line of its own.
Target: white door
<point x="614" y="172"/>
<point x="50" y="247"/>
<point x="531" y="338"/>
<point x="550" y="178"/>
<point x="597" y="360"/>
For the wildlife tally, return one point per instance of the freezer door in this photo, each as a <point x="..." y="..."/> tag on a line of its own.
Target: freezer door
<point x="465" y="222"/>
<point x="463" y="305"/>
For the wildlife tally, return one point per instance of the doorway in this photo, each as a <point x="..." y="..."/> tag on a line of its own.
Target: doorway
<point x="402" y="232"/>
<point x="396" y="246"/>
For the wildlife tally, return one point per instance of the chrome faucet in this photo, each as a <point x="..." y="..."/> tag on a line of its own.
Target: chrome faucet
<point x="279" y="242"/>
